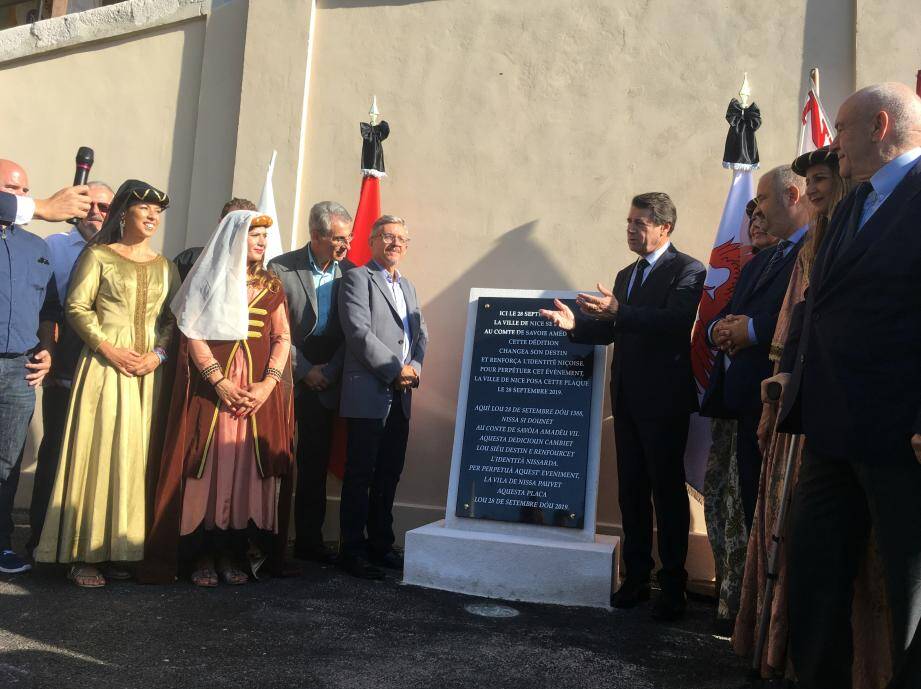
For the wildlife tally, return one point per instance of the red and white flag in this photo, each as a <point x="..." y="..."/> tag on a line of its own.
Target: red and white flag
<point x="815" y="131"/>
<point x="731" y="250"/>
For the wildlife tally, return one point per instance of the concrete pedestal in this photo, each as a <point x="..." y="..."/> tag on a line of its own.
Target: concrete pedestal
<point x="512" y="566"/>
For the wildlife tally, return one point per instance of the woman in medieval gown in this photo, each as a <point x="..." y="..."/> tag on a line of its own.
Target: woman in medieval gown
<point x="118" y="303"/>
<point x="222" y="496"/>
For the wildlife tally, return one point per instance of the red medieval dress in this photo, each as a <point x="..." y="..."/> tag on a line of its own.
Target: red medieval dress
<point x="223" y="474"/>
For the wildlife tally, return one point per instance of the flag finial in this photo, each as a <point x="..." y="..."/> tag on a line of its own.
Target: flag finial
<point x="745" y="91"/>
<point x="374" y="112"/>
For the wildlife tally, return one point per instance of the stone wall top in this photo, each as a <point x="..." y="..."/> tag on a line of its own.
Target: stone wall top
<point x="93" y="25"/>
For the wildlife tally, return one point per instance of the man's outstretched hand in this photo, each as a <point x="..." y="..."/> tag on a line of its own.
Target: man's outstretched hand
<point x="561" y="316"/>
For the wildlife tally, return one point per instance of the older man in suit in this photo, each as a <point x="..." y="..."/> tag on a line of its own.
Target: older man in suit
<point x="851" y="373"/>
<point x="311" y="277"/>
<point x="385" y="337"/>
<point x="744" y="329"/>
<point x="648" y="316"/>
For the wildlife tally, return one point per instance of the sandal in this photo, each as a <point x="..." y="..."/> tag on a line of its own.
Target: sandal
<point x="205" y="577"/>
<point x="86" y="576"/>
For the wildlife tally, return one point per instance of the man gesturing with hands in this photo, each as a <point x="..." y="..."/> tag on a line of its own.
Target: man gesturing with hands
<point x="648" y="317"/>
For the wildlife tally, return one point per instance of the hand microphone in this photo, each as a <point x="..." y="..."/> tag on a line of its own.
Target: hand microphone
<point x="84" y="163"/>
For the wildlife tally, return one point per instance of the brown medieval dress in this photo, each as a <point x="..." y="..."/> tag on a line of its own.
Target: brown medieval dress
<point x="222" y="474"/>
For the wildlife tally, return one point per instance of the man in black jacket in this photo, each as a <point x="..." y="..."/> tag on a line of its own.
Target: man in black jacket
<point x="648" y="316"/>
<point x="851" y="373"/>
<point x="744" y="329"/>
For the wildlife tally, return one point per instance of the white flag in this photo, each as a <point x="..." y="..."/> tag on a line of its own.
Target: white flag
<point x="267" y="207"/>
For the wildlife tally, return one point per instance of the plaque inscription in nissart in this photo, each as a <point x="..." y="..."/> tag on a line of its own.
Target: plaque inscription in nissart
<point x="526" y="432"/>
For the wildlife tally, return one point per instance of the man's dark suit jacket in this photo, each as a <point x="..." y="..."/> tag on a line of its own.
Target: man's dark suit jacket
<point x="651" y="366"/>
<point x="854" y="348"/>
<point x="293" y="269"/>
<point x="759" y="295"/>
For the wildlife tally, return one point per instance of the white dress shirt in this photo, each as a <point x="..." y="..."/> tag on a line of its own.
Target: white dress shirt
<point x="651" y="260"/>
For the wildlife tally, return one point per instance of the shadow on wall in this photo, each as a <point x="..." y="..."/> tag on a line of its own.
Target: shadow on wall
<point x="514" y="261"/>
<point x="829" y="44"/>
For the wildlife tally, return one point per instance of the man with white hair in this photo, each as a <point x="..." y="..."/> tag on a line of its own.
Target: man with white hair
<point x="851" y="374"/>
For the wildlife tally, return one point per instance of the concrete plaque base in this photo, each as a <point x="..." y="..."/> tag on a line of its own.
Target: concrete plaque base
<point x="512" y="566"/>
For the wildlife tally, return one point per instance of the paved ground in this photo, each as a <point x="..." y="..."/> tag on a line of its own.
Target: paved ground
<point x="327" y="630"/>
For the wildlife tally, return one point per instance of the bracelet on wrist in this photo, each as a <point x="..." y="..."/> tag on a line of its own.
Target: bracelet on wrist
<point x="272" y="372"/>
<point x="218" y="381"/>
<point x="208" y="370"/>
<point x="161" y="354"/>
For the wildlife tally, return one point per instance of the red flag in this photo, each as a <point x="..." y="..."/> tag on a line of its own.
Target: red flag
<point x="815" y="132"/>
<point x="369" y="210"/>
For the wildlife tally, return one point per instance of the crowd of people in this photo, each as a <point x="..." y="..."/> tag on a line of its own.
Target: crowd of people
<point x="172" y="389"/>
<point x="829" y="310"/>
<point x="180" y="396"/>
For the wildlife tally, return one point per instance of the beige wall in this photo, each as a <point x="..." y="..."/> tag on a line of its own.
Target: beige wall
<point x="888" y="43"/>
<point x="520" y="131"/>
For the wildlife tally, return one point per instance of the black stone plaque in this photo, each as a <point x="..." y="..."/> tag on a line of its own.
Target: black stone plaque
<point x="526" y="430"/>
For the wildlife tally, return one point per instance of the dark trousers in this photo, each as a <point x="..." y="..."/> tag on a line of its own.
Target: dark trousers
<point x="55" y="400"/>
<point x="650" y="474"/>
<point x="314" y="437"/>
<point x="374" y="462"/>
<point x="748" y="459"/>
<point x="17" y="402"/>
<point x="836" y="502"/>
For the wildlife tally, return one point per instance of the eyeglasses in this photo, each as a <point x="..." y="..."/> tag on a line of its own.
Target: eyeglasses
<point x="101" y="206"/>
<point x="341" y="241"/>
<point x="394" y="239"/>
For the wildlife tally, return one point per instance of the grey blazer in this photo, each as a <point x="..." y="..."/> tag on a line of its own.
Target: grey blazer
<point x="293" y="269"/>
<point x="374" y="342"/>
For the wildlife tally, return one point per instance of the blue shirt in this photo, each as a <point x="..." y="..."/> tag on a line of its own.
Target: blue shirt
<point x="399" y="300"/>
<point x="885" y="181"/>
<point x="323" y="285"/>
<point x="27" y="290"/>
<point x="64" y="249"/>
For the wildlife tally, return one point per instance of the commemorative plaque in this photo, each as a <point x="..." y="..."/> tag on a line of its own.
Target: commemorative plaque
<point x="528" y="410"/>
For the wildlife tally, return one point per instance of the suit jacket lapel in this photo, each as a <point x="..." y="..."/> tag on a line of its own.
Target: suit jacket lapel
<point x="378" y="279"/>
<point x="877" y="226"/>
<point x="657" y="277"/>
<point x="304" y="275"/>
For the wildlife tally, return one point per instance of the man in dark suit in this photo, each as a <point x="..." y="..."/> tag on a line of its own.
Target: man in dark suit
<point x="648" y="316"/>
<point x="385" y="338"/>
<point x="311" y="277"/>
<point x="745" y="328"/>
<point x="851" y="374"/>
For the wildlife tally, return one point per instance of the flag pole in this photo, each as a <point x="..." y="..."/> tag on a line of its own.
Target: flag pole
<point x="814" y="76"/>
<point x="918" y="83"/>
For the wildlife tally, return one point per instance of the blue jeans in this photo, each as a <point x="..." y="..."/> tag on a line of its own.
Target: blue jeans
<point x="17" y="402"/>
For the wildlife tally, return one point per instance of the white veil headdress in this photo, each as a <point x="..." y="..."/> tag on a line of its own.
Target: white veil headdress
<point x="212" y="303"/>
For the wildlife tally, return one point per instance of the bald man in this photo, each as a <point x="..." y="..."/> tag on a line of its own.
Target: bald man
<point x="851" y="374"/>
<point x="16" y="206"/>
<point x="29" y="310"/>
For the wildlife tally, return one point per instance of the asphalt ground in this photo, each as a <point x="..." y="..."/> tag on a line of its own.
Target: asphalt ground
<point x="325" y="629"/>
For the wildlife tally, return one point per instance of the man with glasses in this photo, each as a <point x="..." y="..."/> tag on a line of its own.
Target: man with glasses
<point x="311" y="276"/>
<point x="65" y="249"/>
<point x="385" y="338"/>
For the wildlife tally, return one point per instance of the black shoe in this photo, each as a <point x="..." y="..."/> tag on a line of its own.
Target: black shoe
<point x="316" y="553"/>
<point x="392" y="559"/>
<point x="631" y="593"/>
<point x="669" y="606"/>
<point x="358" y="566"/>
